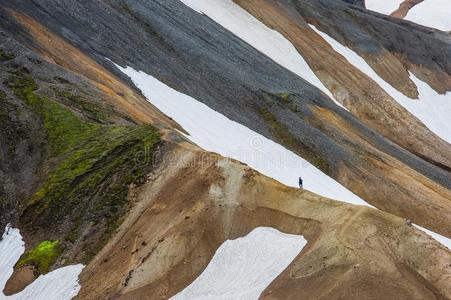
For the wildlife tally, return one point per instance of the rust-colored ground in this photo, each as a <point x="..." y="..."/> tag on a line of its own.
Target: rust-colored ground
<point x="413" y="195"/>
<point x="171" y="234"/>
<point x="19" y="280"/>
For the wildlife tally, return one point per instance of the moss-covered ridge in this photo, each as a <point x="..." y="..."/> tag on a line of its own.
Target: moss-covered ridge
<point x="89" y="169"/>
<point x="64" y="129"/>
<point x="42" y="256"/>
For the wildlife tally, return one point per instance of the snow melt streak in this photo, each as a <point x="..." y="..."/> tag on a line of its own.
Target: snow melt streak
<point x="431" y="108"/>
<point x="214" y="132"/>
<point x="243" y="268"/>
<point x="60" y="284"/>
<point x="269" y="42"/>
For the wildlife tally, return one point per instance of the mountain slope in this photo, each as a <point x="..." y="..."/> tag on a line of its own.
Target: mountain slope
<point x="110" y="112"/>
<point x="347" y="154"/>
<point x="218" y="199"/>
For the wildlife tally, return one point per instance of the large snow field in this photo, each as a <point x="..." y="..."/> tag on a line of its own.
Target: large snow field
<point x="244" y="267"/>
<point x="270" y="42"/>
<point x="432" y="13"/>
<point x="60" y="284"/>
<point x="214" y="132"/>
<point x="385" y="7"/>
<point x="431" y="108"/>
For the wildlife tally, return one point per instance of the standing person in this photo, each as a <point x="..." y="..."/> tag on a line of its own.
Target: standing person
<point x="301" y="183"/>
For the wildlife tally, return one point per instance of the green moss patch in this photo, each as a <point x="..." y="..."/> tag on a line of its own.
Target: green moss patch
<point x="42" y="257"/>
<point x="284" y="137"/>
<point x="285" y="97"/>
<point x="109" y="157"/>
<point x="64" y="128"/>
<point x="92" y="110"/>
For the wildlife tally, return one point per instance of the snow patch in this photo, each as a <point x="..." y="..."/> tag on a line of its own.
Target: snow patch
<point x="385" y="7"/>
<point x="431" y="108"/>
<point x="214" y="132"/>
<point x="270" y="42"/>
<point x="440" y="238"/>
<point x="60" y="284"/>
<point x="243" y="268"/>
<point x="432" y="13"/>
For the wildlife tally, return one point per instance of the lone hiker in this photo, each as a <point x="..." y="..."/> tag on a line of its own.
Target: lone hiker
<point x="301" y="183"/>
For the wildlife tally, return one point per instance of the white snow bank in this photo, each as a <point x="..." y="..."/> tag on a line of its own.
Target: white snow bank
<point x="11" y="248"/>
<point x="243" y="268"/>
<point x="431" y="108"/>
<point x="440" y="238"/>
<point x="214" y="132"/>
<point x="432" y="13"/>
<point x="60" y="284"/>
<point x="270" y="42"/>
<point x="385" y="7"/>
